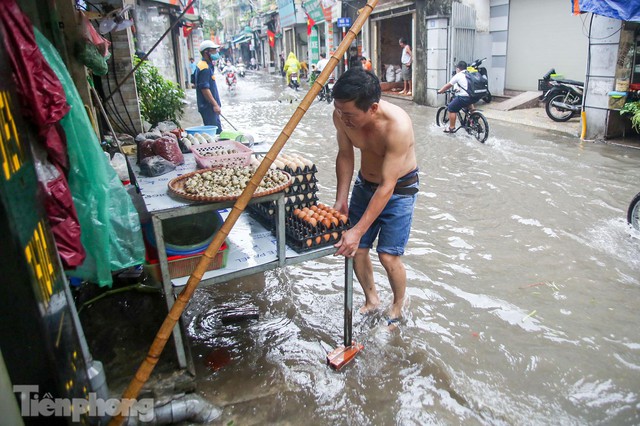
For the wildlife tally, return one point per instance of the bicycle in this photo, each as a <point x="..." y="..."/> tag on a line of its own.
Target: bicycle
<point x="475" y="123"/>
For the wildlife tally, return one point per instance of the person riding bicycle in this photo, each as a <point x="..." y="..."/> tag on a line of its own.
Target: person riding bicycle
<point x="462" y="98"/>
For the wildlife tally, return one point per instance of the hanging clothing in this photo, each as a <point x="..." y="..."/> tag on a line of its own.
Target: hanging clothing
<point x="44" y="104"/>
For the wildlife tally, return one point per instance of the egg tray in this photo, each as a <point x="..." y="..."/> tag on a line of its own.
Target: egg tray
<point x="302" y="237"/>
<point x="265" y="212"/>
<point x="302" y="187"/>
<point x="305" y="199"/>
<point x="302" y="175"/>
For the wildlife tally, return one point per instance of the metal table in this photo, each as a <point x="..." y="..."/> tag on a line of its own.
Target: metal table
<point x="266" y="253"/>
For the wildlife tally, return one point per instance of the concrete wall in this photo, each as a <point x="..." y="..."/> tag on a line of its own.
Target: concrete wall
<point x="151" y="23"/>
<point x="499" y="30"/>
<point x="543" y="34"/>
<point x="124" y="104"/>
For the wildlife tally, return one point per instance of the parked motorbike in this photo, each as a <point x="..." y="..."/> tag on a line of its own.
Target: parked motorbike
<point x="326" y="93"/>
<point x="231" y="80"/>
<point x="241" y="70"/>
<point x="633" y="214"/>
<point x="475" y="66"/>
<point x="562" y="98"/>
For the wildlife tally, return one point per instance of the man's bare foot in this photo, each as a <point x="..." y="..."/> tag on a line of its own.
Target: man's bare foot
<point x="368" y="308"/>
<point x="395" y="311"/>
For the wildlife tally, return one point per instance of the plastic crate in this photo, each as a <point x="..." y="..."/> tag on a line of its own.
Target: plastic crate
<point x="204" y="161"/>
<point x="183" y="266"/>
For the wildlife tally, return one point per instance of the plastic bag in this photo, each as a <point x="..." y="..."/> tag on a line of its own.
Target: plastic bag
<point x="166" y="126"/>
<point x="390" y="73"/>
<point x="168" y="149"/>
<point x="155" y="166"/>
<point x="119" y="164"/>
<point x="145" y="149"/>
<point x="111" y="231"/>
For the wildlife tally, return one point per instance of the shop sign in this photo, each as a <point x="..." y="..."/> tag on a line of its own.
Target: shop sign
<point x="287" y="13"/>
<point x="344" y="22"/>
<point x="314" y="9"/>
<point x="314" y="46"/>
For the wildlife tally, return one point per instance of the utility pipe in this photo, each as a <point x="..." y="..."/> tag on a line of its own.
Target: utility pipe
<point x="144" y="371"/>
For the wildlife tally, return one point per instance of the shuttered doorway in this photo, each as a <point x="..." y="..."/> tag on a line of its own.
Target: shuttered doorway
<point x="463" y="34"/>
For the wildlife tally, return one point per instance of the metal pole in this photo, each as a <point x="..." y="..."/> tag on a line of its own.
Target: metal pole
<point x="348" y="302"/>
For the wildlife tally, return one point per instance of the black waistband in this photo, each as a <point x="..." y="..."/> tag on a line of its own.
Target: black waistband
<point x="401" y="186"/>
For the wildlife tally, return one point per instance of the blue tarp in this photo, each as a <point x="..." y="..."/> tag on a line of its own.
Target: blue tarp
<point x="625" y="10"/>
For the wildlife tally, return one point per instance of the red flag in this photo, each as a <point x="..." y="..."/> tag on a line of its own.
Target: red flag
<point x="272" y="38"/>
<point x="310" y="24"/>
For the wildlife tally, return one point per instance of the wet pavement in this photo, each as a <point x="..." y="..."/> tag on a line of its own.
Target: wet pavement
<point x="523" y="285"/>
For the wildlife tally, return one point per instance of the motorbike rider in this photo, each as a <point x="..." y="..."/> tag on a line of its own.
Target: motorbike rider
<point x="208" y="98"/>
<point x="462" y="99"/>
<point x="322" y="63"/>
<point x="228" y="68"/>
<point x="290" y="66"/>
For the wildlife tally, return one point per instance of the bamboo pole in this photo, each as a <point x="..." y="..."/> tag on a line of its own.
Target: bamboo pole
<point x="163" y="335"/>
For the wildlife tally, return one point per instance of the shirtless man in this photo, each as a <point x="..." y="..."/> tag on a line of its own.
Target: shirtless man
<point x="384" y="193"/>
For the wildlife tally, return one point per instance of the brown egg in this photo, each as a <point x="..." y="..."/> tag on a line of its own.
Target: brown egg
<point x="343" y="219"/>
<point x="321" y="206"/>
<point x="316" y="216"/>
<point x="312" y="221"/>
<point x="301" y="215"/>
<point x="309" y="242"/>
<point x="318" y="239"/>
<point x="326" y="237"/>
<point x="334" y="220"/>
<point x="334" y="235"/>
<point x="314" y="208"/>
<point x="326" y="222"/>
<point x="296" y="212"/>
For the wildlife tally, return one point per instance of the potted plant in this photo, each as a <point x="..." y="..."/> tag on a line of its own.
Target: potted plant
<point x="160" y="99"/>
<point x="632" y="109"/>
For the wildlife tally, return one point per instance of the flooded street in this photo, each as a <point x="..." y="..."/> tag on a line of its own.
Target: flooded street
<point x="523" y="285"/>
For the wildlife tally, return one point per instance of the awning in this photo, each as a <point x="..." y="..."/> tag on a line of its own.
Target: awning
<point x="625" y="10"/>
<point x="244" y="38"/>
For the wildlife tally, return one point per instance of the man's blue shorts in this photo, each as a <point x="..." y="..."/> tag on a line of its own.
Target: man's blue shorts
<point x="459" y="102"/>
<point x="393" y="226"/>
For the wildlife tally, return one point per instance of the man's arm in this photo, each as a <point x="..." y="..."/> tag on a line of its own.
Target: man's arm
<point x="344" y="167"/>
<point x="209" y="97"/>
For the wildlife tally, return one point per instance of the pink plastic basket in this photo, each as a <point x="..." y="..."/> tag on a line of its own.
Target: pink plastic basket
<point x="210" y="155"/>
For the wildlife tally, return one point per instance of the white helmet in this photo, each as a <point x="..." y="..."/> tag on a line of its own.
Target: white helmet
<point x="207" y="44"/>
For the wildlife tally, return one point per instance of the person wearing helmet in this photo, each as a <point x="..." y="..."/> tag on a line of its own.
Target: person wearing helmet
<point x="207" y="95"/>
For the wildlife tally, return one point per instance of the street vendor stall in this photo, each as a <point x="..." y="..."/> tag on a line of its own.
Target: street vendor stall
<point x="253" y="246"/>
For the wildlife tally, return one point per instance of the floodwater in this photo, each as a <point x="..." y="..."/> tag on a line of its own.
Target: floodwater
<point x="523" y="289"/>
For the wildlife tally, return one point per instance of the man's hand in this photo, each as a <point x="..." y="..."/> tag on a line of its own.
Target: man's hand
<point x="342" y="207"/>
<point x="348" y="244"/>
<point x="216" y="109"/>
